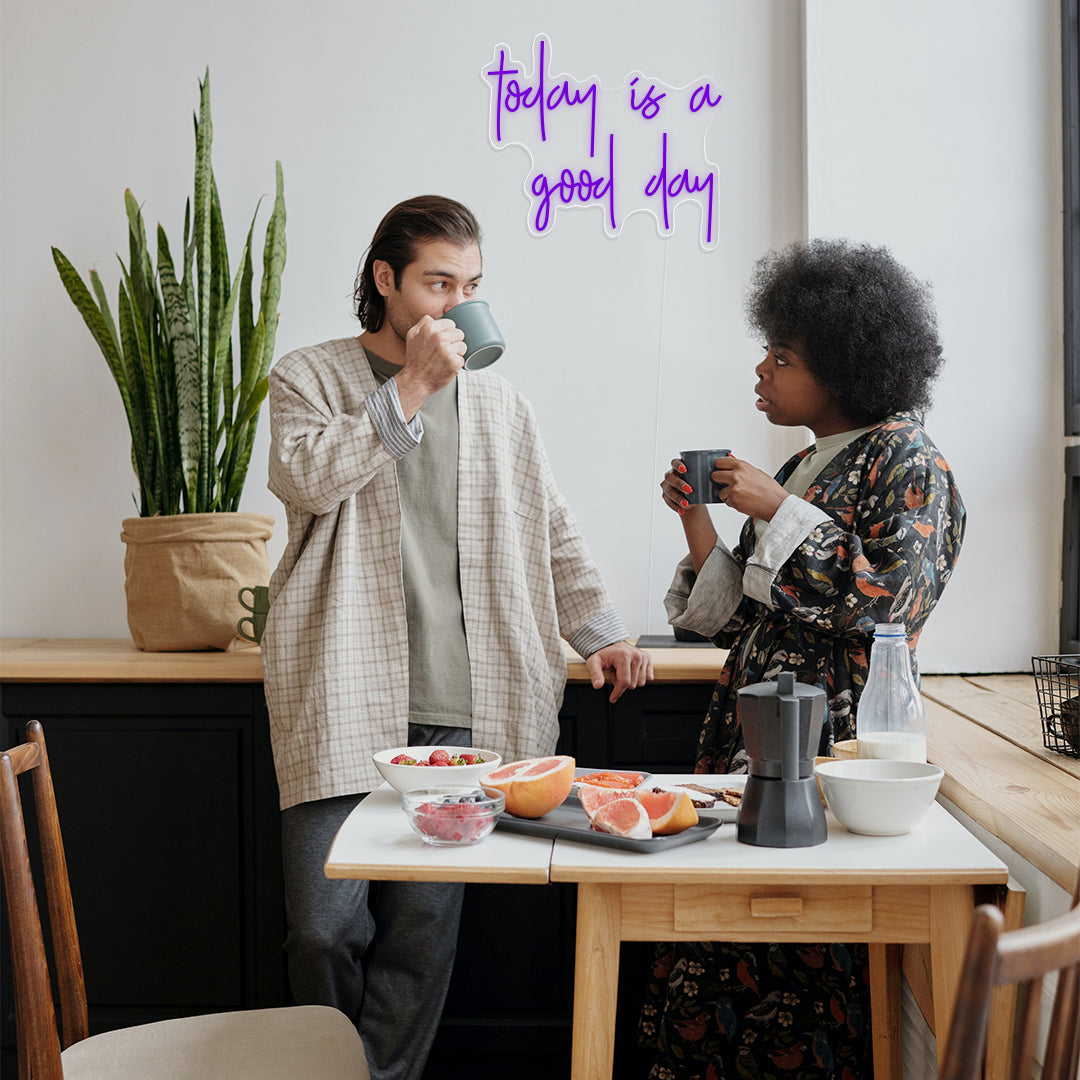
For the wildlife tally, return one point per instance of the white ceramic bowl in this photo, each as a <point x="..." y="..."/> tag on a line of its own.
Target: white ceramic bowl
<point x="878" y="797"/>
<point x="410" y="777"/>
<point x="454" y="815"/>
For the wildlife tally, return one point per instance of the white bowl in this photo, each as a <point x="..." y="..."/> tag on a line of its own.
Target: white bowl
<point x="879" y="797"/>
<point x="410" y="777"/>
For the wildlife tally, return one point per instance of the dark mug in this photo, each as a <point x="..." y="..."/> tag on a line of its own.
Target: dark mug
<point x="700" y="465"/>
<point x="483" y="341"/>
<point x="259" y="605"/>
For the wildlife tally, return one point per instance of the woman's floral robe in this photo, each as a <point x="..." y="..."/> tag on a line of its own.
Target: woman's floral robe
<point x="761" y="1011"/>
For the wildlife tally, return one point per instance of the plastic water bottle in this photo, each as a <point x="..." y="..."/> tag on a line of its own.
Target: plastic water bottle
<point x="890" y="721"/>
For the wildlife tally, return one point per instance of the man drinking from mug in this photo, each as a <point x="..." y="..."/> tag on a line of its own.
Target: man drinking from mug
<point x="431" y="568"/>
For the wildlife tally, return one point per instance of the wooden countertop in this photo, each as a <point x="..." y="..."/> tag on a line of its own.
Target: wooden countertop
<point x="110" y="660"/>
<point x="983" y="730"/>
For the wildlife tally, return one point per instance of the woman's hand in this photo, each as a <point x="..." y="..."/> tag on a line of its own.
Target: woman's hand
<point x="748" y="489"/>
<point x="697" y="525"/>
<point x="674" y="489"/>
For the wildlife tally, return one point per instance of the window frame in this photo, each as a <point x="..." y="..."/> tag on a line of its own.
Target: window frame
<point x="1070" y="152"/>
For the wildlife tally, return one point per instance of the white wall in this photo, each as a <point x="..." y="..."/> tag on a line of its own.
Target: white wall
<point x="935" y="129"/>
<point x="630" y="348"/>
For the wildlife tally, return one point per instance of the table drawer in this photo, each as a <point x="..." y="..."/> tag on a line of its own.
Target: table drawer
<point x="785" y="910"/>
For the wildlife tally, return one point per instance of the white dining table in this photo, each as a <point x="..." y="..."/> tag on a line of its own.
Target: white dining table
<point x="916" y="889"/>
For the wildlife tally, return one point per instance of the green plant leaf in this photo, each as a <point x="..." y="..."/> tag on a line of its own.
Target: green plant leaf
<point x="204" y="133"/>
<point x="171" y="348"/>
<point x="92" y="316"/>
<point x="185" y="353"/>
<point x="103" y="305"/>
<point x="142" y="450"/>
<point x="274" y="251"/>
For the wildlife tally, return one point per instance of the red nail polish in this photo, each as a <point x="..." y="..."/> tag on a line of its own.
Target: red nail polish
<point x="682" y="468"/>
<point x="683" y="502"/>
<point x="687" y="488"/>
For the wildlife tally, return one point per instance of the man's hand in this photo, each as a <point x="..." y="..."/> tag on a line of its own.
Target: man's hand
<point x="434" y="351"/>
<point x="630" y="667"/>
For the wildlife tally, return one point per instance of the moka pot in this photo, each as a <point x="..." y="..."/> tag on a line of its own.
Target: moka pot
<point x="781" y="725"/>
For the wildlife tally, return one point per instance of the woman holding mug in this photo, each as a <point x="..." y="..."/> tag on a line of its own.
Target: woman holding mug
<point x="863" y="526"/>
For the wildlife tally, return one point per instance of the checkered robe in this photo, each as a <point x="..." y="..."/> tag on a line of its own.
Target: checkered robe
<point x="335" y="649"/>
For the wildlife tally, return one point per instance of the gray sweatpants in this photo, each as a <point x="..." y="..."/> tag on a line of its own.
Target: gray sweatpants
<point x="380" y="951"/>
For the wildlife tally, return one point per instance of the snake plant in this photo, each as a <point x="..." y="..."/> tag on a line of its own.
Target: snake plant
<point x="192" y="401"/>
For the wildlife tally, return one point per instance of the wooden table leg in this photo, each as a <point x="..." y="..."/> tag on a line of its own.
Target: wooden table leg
<point x="950" y="921"/>
<point x="885" y="970"/>
<point x="596" y="980"/>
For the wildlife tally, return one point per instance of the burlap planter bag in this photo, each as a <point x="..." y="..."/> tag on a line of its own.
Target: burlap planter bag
<point x="183" y="573"/>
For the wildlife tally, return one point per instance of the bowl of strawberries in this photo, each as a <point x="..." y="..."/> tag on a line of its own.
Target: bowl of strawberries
<point x="407" y="768"/>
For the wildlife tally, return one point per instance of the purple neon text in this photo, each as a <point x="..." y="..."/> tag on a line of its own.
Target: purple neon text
<point x="581" y="188"/>
<point x="511" y="95"/>
<point x="680" y="183"/>
<point x="649" y="106"/>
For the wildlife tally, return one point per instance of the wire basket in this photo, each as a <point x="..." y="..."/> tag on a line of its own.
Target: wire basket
<point x="1057" y="684"/>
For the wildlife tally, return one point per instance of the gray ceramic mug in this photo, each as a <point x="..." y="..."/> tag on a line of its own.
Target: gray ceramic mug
<point x="700" y="464"/>
<point x="258" y="605"/>
<point x="483" y="342"/>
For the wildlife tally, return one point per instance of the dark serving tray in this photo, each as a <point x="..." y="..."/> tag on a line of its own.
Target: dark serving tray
<point x="570" y="822"/>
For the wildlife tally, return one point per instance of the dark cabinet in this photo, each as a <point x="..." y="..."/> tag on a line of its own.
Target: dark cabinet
<point x="168" y="805"/>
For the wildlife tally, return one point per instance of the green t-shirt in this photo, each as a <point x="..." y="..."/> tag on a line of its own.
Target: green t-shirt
<point x="804" y="474"/>
<point x="440" y="683"/>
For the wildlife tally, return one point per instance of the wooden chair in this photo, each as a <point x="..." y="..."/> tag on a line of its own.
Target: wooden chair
<point x="301" y="1042"/>
<point x="1022" y="957"/>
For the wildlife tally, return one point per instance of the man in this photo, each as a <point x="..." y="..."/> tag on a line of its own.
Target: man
<point x="431" y="567"/>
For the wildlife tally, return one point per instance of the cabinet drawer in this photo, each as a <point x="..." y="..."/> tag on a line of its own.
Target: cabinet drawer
<point x="780" y="911"/>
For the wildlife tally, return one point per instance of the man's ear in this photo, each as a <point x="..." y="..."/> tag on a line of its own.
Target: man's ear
<point x="383" y="273"/>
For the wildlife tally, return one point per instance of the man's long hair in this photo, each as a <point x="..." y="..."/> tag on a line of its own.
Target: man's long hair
<point x="415" y="221"/>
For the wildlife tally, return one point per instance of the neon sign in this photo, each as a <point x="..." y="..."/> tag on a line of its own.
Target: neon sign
<point x="638" y="147"/>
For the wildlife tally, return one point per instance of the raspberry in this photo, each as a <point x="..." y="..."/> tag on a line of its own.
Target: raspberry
<point x="462" y="822"/>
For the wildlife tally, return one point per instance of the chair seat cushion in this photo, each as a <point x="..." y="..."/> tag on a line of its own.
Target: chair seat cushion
<point x="298" y="1043"/>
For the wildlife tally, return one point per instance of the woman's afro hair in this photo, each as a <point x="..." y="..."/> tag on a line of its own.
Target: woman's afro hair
<point x="865" y="325"/>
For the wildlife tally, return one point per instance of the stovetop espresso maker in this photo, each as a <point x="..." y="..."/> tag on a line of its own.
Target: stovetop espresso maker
<point x="782" y="726"/>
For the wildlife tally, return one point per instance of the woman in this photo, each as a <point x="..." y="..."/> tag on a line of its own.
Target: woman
<point x="861" y="527"/>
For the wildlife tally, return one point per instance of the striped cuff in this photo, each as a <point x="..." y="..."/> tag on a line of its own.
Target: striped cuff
<point x="790" y="526"/>
<point x="398" y="435"/>
<point x="596" y="633"/>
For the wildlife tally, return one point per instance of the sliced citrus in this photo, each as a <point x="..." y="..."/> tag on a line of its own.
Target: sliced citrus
<point x="623" y="817"/>
<point x="592" y="797"/>
<point x="534" y="786"/>
<point x="669" y="811"/>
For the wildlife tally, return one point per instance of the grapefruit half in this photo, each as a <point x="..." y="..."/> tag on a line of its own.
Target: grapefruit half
<point x="533" y="786"/>
<point x="669" y="812"/>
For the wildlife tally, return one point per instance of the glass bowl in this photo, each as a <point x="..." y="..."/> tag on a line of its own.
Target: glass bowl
<point x="452" y="816"/>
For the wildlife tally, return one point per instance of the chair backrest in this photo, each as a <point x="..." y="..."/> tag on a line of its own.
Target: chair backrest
<point x="1022" y="957"/>
<point x="35" y="1018"/>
